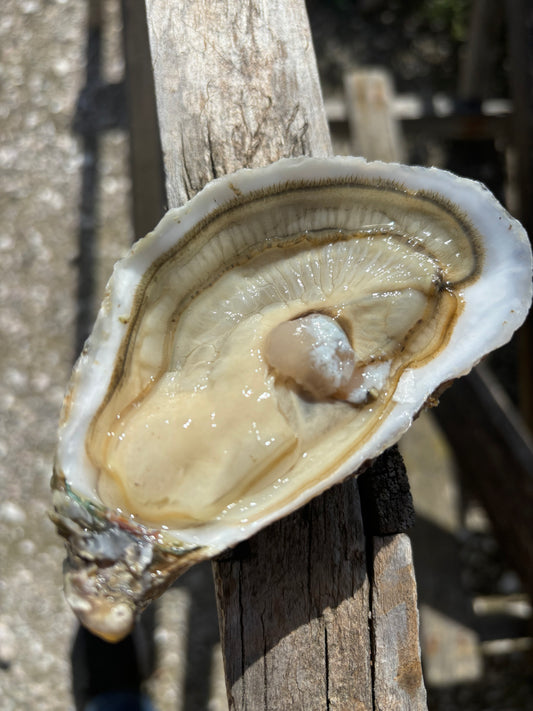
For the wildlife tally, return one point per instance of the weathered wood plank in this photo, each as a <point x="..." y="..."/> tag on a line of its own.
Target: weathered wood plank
<point x="147" y="177"/>
<point x="520" y="47"/>
<point x="398" y="681"/>
<point x="396" y="657"/>
<point x="475" y="64"/>
<point x="448" y="627"/>
<point x="469" y="127"/>
<point x="237" y="86"/>
<point x="296" y="627"/>
<point x="374" y="130"/>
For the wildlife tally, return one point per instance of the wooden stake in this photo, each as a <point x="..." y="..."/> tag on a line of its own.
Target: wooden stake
<point x="237" y="86"/>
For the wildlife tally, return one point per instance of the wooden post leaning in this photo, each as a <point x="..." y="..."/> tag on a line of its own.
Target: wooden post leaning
<point x="519" y="14"/>
<point x="237" y="86"/>
<point x="397" y="680"/>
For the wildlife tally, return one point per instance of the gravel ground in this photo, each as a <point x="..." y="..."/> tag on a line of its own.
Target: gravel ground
<point x="42" y="65"/>
<point x="41" y="46"/>
<point x="42" y="68"/>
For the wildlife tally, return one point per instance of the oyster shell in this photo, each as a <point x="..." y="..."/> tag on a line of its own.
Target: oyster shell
<point x="266" y="340"/>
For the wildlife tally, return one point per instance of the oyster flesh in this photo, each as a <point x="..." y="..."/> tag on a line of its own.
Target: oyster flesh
<point x="267" y="339"/>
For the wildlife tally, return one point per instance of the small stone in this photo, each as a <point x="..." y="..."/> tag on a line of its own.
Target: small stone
<point x="30" y="7"/>
<point x="27" y="547"/>
<point x="7" y="646"/>
<point x="10" y="512"/>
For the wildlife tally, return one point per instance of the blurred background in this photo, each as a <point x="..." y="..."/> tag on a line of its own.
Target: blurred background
<point x="444" y="67"/>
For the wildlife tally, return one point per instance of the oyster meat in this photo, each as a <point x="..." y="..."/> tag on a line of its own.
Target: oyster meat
<point x="266" y="340"/>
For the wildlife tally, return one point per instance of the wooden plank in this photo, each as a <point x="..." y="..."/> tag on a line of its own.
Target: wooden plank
<point x="475" y="63"/>
<point x="375" y="132"/>
<point x="467" y="127"/>
<point x="397" y="666"/>
<point x="238" y="87"/>
<point x="398" y="681"/>
<point x="448" y="630"/>
<point x="294" y="611"/>
<point x="520" y="48"/>
<point x="495" y="453"/>
<point x="146" y="164"/>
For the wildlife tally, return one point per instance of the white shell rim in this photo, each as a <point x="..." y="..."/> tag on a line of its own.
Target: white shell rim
<point x="473" y="337"/>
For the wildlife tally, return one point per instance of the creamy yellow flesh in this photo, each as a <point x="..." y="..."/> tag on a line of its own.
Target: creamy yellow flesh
<point x="199" y="427"/>
<point x="185" y="448"/>
<point x="216" y="427"/>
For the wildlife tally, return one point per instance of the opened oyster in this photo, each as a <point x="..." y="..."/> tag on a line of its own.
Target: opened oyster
<point x="260" y="345"/>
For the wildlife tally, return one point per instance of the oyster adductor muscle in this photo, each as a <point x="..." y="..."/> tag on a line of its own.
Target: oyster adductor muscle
<point x="264" y="341"/>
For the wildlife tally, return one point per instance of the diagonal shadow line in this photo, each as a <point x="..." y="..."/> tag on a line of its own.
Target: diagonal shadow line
<point x="89" y="184"/>
<point x="86" y="242"/>
<point x="99" y="666"/>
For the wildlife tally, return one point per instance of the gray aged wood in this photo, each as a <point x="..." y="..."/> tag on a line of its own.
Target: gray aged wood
<point x="397" y="668"/>
<point x="295" y="630"/>
<point x="375" y="132"/>
<point x="237" y="86"/>
<point x="398" y="681"/>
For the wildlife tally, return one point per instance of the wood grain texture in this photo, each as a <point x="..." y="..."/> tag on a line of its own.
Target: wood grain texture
<point x="376" y="134"/>
<point x="386" y="496"/>
<point x="384" y="488"/>
<point x="236" y="86"/>
<point x="398" y="682"/>
<point x="294" y="611"/>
